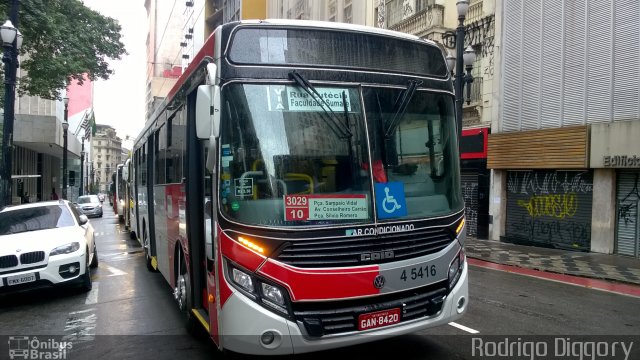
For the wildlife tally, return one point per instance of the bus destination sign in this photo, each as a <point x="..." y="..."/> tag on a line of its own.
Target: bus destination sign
<point x="290" y="98"/>
<point x="326" y="207"/>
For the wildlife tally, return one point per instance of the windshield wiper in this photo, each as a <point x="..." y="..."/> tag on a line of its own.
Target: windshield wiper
<point x="401" y="106"/>
<point x="332" y="119"/>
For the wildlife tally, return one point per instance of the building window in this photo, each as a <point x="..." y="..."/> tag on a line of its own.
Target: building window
<point x="423" y="4"/>
<point x="348" y="15"/>
<point x="332" y="10"/>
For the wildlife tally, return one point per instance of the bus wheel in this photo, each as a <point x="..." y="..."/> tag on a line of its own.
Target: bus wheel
<point x="182" y="294"/>
<point x="147" y="251"/>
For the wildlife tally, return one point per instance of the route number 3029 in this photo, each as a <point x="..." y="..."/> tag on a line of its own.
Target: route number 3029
<point x="421" y="272"/>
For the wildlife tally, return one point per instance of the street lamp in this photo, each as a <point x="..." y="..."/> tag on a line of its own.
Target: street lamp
<point x="468" y="57"/>
<point x="81" y="191"/>
<point x="11" y="43"/>
<point x="65" y="127"/>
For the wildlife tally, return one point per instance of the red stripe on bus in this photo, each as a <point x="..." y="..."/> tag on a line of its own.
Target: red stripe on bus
<point x="322" y="284"/>
<point x="239" y="254"/>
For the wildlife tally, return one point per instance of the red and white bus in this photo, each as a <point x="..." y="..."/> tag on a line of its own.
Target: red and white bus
<point x="300" y="187"/>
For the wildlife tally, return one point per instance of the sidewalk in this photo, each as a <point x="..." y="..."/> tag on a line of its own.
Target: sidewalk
<point x="592" y="265"/>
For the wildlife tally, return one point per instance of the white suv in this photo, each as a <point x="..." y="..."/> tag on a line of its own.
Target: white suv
<point x="45" y="243"/>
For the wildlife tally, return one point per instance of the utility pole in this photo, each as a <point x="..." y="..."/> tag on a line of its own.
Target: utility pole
<point x="10" y="59"/>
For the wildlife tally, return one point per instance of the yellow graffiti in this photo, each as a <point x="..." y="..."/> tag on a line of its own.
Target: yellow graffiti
<point x="557" y="205"/>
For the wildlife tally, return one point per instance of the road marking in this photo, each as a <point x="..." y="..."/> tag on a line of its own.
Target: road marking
<point x="92" y="296"/>
<point x="80" y="326"/>
<point x="114" y="271"/>
<point x="462" y="327"/>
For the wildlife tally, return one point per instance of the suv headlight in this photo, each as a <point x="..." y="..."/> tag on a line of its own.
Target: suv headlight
<point x="65" y="249"/>
<point x="269" y="295"/>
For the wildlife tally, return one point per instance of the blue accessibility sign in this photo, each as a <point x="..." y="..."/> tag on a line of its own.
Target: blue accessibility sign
<point x="390" y="201"/>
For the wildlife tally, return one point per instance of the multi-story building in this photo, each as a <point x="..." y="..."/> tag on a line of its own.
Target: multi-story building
<point x="164" y="51"/>
<point x="38" y="148"/>
<point x="177" y="31"/>
<point x="345" y="11"/>
<point x="107" y="154"/>
<point x="564" y="148"/>
<point x="437" y="20"/>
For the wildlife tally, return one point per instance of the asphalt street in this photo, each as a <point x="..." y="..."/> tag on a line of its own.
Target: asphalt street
<point x="130" y="313"/>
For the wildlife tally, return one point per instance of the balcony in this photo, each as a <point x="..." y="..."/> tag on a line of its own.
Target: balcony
<point x="423" y="23"/>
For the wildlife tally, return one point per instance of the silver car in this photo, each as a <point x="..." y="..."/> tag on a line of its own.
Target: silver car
<point x="90" y="205"/>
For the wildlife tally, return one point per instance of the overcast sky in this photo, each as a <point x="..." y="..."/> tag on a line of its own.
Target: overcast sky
<point x="120" y="101"/>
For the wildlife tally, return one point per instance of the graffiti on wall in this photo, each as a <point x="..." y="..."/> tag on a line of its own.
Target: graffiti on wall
<point x="551" y="207"/>
<point x="556" y="205"/>
<point x="628" y="204"/>
<point x="480" y="35"/>
<point x="470" y="196"/>
<point x="549" y="182"/>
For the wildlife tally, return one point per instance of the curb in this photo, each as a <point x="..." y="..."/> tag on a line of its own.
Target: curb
<point x="556" y="272"/>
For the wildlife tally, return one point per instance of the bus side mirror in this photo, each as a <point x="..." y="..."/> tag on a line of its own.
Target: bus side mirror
<point x="208" y="111"/>
<point x="208" y="106"/>
<point x="125" y="174"/>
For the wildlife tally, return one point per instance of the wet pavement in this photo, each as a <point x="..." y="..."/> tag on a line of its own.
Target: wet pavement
<point x="593" y="265"/>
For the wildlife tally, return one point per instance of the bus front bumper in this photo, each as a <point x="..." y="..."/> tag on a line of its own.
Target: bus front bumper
<point x="244" y="323"/>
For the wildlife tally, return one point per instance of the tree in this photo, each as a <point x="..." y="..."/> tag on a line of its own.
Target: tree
<point x="63" y="41"/>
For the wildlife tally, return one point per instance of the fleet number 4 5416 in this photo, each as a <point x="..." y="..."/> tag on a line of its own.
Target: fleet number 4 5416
<point x="421" y="272"/>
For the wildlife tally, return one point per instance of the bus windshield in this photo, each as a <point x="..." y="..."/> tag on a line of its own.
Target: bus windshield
<point x="294" y="157"/>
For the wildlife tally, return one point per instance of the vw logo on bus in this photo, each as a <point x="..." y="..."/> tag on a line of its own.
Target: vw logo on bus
<point x="379" y="281"/>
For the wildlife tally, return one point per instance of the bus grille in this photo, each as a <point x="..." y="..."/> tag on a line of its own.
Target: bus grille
<point x="337" y="317"/>
<point x="8" y="261"/>
<point x="32" y="257"/>
<point x="350" y="251"/>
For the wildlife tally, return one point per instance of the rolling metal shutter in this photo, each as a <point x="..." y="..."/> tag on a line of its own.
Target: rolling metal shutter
<point x="550" y="208"/>
<point x="470" y="194"/>
<point x="561" y="63"/>
<point x="627" y="201"/>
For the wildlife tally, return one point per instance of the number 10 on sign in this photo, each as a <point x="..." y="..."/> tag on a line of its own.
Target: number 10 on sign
<point x="296" y="208"/>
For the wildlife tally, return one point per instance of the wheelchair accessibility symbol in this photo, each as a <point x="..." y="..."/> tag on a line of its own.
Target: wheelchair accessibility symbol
<point x="390" y="200"/>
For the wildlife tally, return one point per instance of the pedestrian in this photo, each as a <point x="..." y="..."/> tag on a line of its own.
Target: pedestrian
<point x="54" y="196"/>
<point x="25" y="198"/>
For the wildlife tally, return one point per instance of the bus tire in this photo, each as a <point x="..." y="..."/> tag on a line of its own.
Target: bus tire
<point x="182" y="294"/>
<point x="147" y="250"/>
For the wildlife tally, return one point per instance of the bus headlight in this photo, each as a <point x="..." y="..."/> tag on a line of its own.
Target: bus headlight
<point x="269" y="295"/>
<point x="243" y="280"/>
<point x="273" y="294"/>
<point x="455" y="269"/>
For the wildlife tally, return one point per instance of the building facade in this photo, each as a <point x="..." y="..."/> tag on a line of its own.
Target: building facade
<point x="562" y="150"/>
<point x="177" y="31"/>
<point x="437" y="20"/>
<point x="38" y="150"/>
<point x="164" y="53"/>
<point x="344" y="11"/>
<point x="107" y="154"/>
